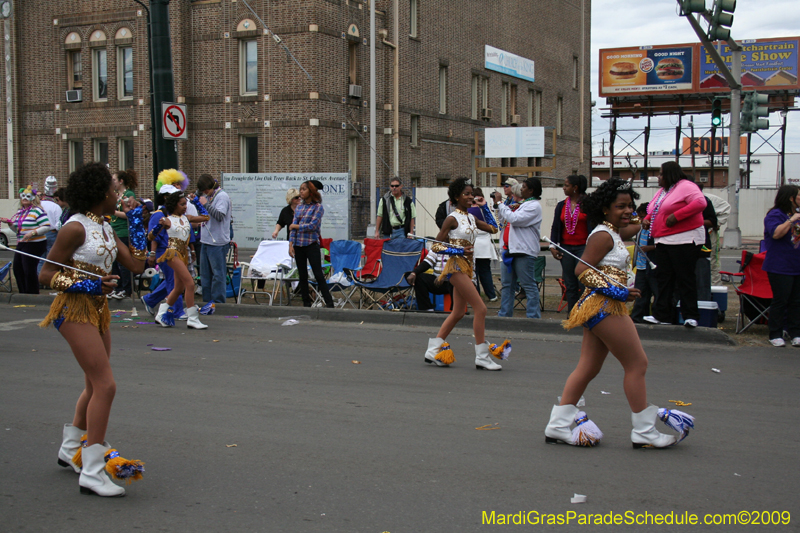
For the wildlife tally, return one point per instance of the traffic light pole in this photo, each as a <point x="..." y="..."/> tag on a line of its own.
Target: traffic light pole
<point x="733" y="235"/>
<point x="162" y="81"/>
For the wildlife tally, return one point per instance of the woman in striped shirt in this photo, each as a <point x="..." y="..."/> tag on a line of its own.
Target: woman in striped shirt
<point x="31" y="224"/>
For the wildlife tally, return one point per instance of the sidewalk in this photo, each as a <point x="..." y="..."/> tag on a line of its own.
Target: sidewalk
<point x="548" y="326"/>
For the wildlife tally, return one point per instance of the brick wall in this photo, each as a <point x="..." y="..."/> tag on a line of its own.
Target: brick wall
<point x="205" y="51"/>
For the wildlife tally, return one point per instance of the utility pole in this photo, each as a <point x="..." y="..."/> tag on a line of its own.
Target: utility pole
<point x="7" y="11"/>
<point x="373" y="178"/>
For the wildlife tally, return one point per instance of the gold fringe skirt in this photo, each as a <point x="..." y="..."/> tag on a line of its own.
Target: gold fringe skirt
<point x="172" y="253"/>
<point x="454" y="264"/>
<point x="593" y="306"/>
<point x="79" y="308"/>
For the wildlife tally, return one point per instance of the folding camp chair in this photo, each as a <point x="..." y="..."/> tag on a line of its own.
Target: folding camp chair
<point x="232" y="271"/>
<point x="270" y="262"/>
<point x="390" y="290"/>
<point x="372" y="260"/>
<point x="755" y="292"/>
<point x="5" y="277"/>
<point x="538" y="276"/>
<point x="343" y="254"/>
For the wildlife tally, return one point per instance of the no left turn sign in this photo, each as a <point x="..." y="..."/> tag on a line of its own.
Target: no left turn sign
<point x="173" y="120"/>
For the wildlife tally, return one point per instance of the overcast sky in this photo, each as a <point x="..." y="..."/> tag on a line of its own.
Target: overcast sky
<point x="622" y="23"/>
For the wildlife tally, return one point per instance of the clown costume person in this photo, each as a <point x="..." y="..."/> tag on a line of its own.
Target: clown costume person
<point x="459" y="229"/>
<point x="176" y="256"/>
<point x="608" y="328"/>
<point x="80" y="313"/>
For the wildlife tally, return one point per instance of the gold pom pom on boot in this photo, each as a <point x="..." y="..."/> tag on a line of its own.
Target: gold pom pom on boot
<point x="439" y="353"/>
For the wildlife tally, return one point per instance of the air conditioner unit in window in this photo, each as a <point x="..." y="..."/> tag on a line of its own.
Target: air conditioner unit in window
<point x="355" y="91"/>
<point x="515" y="120"/>
<point x="703" y="179"/>
<point x="486" y="113"/>
<point x="75" y="96"/>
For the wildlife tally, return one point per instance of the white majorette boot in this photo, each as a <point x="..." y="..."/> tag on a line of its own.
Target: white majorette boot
<point x="70" y="443"/>
<point x="162" y="310"/>
<point x="94" y="479"/>
<point x="586" y="433"/>
<point x="193" y="320"/>
<point x="482" y="359"/>
<point x="439" y="353"/>
<point x="644" y="433"/>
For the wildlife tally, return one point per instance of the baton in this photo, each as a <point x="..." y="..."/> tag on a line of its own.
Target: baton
<point x="2" y="247"/>
<point x="412" y="236"/>
<point x="609" y="278"/>
<point x="638" y="249"/>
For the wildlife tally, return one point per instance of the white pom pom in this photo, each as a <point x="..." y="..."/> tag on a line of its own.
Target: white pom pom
<point x="677" y="420"/>
<point x="586" y="432"/>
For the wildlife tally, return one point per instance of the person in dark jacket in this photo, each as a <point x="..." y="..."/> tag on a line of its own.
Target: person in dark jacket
<point x="570" y="229"/>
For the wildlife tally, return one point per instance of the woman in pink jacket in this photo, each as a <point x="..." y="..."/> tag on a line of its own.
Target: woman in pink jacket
<point x="675" y="219"/>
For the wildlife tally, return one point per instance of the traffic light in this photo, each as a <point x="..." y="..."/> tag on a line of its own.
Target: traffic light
<point x="716" y="112"/>
<point x="754" y="107"/>
<point x="719" y="29"/>
<point x="692" y="6"/>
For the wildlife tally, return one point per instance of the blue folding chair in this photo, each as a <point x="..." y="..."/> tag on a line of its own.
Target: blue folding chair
<point x="390" y="290"/>
<point x="344" y="255"/>
<point x="5" y="277"/>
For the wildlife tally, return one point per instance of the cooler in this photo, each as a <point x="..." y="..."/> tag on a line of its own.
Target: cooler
<point x="719" y="294"/>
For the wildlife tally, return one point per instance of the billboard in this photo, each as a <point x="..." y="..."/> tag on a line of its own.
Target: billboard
<point x="258" y="199"/>
<point x="767" y="65"/>
<point x="647" y="69"/>
<point x="514" y="142"/>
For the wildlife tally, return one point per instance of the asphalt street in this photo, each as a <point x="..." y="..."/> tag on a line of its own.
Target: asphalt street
<point x="341" y="427"/>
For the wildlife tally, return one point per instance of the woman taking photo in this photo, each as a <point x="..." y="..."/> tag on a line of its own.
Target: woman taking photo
<point x="304" y="235"/>
<point x="782" y="265"/>
<point x="31" y="224"/>
<point x="570" y="230"/>
<point x="523" y="247"/>
<point x="608" y="328"/>
<point x="459" y="230"/>
<point x="286" y="216"/>
<point x="176" y="256"/>
<point x="80" y="313"/>
<point x="675" y="220"/>
<point x="125" y="181"/>
<point x="485" y="251"/>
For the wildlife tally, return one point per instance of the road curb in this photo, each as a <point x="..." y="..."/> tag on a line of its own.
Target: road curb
<point x="647" y="333"/>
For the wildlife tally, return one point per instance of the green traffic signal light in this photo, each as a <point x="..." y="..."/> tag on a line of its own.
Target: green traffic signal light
<point x="716" y="112"/>
<point x="719" y="29"/>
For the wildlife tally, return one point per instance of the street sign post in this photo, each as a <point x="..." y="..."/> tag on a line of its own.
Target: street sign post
<point x="173" y="121"/>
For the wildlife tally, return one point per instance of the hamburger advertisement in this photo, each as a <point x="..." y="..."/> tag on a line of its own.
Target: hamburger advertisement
<point x="647" y="69"/>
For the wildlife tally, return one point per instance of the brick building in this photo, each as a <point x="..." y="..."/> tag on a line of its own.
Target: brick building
<point x="251" y="108"/>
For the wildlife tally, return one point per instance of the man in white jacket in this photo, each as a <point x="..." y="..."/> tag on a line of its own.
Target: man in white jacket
<point x="523" y="247"/>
